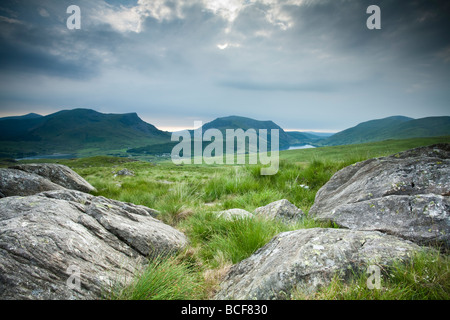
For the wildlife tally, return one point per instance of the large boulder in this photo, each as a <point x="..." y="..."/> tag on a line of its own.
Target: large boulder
<point x="307" y="259"/>
<point x="50" y="240"/>
<point x="15" y="182"/>
<point x="59" y="174"/>
<point x="282" y="210"/>
<point x="406" y="194"/>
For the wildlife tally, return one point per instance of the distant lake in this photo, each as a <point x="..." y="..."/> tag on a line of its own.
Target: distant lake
<point x="307" y="146"/>
<point x="49" y="156"/>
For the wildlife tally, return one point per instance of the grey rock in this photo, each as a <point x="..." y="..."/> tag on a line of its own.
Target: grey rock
<point x="59" y="174"/>
<point x="236" y="213"/>
<point x="125" y="172"/>
<point x="133" y="224"/>
<point x="45" y="238"/>
<point x="20" y="183"/>
<point x="405" y="194"/>
<point x="307" y="259"/>
<point x="424" y="219"/>
<point x="85" y="198"/>
<point x="282" y="210"/>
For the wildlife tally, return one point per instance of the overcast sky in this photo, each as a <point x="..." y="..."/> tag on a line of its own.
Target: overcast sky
<point x="305" y="64"/>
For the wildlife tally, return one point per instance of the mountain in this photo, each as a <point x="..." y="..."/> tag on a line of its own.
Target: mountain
<point x="425" y="127"/>
<point x="302" y="138"/>
<point x="236" y="122"/>
<point x="27" y="116"/>
<point x="222" y="124"/>
<point x="84" y="132"/>
<point x="320" y="134"/>
<point x="397" y="127"/>
<point x="76" y="131"/>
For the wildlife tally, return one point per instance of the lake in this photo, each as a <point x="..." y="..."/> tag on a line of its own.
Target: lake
<point x="49" y="156"/>
<point x="307" y="146"/>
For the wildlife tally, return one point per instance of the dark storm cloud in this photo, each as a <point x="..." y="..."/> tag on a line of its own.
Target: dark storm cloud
<point x="410" y="29"/>
<point x="34" y="39"/>
<point x="288" y="60"/>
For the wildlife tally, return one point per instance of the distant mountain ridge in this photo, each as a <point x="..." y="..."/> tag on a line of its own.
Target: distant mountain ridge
<point x="74" y="131"/>
<point x="286" y="139"/>
<point x="26" y="116"/>
<point x="396" y="127"/>
<point x="87" y="132"/>
<point x="237" y="122"/>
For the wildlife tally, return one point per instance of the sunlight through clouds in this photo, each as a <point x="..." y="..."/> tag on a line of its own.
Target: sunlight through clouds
<point x="126" y="19"/>
<point x="131" y="19"/>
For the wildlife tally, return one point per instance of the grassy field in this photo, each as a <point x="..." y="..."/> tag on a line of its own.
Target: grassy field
<point x="189" y="196"/>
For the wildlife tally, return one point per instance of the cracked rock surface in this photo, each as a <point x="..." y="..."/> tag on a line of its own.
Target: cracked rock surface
<point x="57" y="173"/>
<point x="307" y="259"/>
<point x="44" y="238"/>
<point x="406" y="194"/>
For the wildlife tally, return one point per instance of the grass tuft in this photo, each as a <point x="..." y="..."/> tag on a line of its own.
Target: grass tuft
<point x="164" y="278"/>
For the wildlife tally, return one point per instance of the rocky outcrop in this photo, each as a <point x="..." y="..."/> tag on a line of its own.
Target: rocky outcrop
<point x="236" y="213"/>
<point x="282" y="210"/>
<point x="51" y="240"/>
<point x="307" y="259"/>
<point x="59" y="174"/>
<point x="406" y="194"/>
<point x="124" y="172"/>
<point x="15" y="182"/>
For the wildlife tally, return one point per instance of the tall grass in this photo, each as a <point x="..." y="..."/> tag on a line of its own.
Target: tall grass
<point x="426" y="276"/>
<point x="222" y="241"/>
<point x="164" y="278"/>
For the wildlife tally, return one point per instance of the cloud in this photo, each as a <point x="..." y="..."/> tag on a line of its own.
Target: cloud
<point x="295" y="59"/>
<point x="279" y="86"/>
<point x="131" y="19"/>
<point x="43" y="13"/>
<point x="9" y="20"/>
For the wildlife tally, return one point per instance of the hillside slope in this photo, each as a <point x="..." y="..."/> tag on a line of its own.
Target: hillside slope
<point x="397" y="127"/>
<point x="75" y="131"/>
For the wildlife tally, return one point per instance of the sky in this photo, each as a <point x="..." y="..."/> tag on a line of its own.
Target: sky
<point x="308" y="65"/>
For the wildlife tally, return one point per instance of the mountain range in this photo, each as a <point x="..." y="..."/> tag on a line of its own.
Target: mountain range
<point x="397" y="127"/>
<point x="83" y="132"/>
<point x="78" y="131"/>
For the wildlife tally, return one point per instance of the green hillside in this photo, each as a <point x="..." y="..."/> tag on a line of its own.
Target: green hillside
<point x="79" y="131"/>
<point x="85" y="132"/>
<point x="397" y="127"/>
<point x="286" y="138"/>
<point x="301" y="138"/>
<point x="236" y="122"/>
<point x="222" y="124"/>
